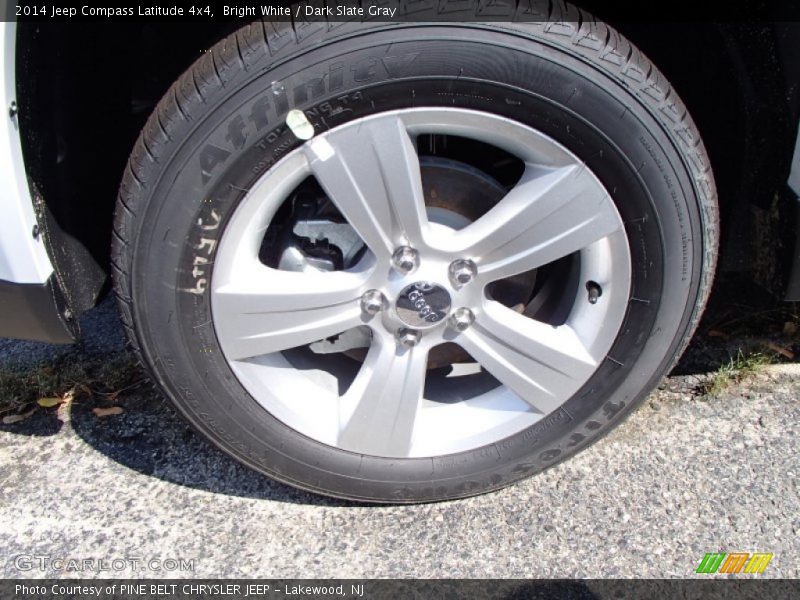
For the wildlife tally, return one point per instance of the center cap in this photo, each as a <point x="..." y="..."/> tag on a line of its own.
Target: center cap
<point x="423" y="304"/>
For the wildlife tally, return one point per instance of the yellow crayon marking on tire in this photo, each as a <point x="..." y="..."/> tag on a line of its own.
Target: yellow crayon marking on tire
<point x="296" y="121"/>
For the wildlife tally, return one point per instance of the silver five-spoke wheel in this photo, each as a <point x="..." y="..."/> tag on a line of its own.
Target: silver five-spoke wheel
<point x="342" y="354"/>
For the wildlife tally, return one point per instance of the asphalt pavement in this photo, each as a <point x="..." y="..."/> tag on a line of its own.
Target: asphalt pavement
<point x="138" y="494"/>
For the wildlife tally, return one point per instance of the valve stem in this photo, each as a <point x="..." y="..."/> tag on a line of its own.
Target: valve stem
<point x="595" y="291"/>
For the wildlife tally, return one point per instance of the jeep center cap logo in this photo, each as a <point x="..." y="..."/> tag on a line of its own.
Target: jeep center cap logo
<point x="423" y="304"/>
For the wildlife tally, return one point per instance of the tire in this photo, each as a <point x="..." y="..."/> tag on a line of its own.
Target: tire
<point x="595" y="103"/>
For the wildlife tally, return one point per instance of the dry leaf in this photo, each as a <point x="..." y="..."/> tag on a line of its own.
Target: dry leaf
<point x="107" y="412"/>
<point x="784" y="351"/>
<point x="49" y="402"/>
<point x="716" y="333"/>
<point x="63" y="408"/>
<point x="11" y="419"/>
<point x="62" y="412"/>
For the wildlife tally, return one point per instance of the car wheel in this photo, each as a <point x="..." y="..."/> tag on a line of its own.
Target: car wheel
<point x="414" y="262"/>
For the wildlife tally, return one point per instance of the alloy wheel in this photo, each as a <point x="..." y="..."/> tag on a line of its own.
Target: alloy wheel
<point x="422" y="281"/>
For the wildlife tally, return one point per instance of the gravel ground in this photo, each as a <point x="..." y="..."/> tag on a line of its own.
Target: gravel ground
<point x="683" y="476"/>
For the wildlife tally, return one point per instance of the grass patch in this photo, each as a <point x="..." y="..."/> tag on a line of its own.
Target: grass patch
<point x="737" y="369"/>
<point x="20" y="389"/>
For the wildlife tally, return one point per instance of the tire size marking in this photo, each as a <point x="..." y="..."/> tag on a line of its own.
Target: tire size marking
<point x="205" y="249"/>
<point x="676" y="203"/>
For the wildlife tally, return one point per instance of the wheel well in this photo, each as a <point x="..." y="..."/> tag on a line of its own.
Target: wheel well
<point x="740" y="82"/>
<point x="86" y="90"/>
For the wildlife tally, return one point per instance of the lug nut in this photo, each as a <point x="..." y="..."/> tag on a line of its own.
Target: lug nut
<point x="408" y="337"/>
<point x="405" y="259"/>
<point x="462" y="271"/>
<point x="372" y="302"/>
<point x="461" y="319"/>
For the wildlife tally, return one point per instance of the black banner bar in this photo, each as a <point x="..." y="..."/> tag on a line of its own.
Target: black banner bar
<point x="334" y="11"/>
<point x="489" y="589"/>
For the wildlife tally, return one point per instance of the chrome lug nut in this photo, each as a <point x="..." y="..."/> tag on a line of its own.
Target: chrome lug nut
<point x="461" y="319"/>
<point x="462" y="271"/>
<point x="372" y="302"/>
<point x="408" y="338"/>
<point x="405" y="259"/>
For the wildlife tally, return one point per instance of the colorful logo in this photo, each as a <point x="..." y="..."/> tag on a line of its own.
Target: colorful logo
<point x="734" y="562"/>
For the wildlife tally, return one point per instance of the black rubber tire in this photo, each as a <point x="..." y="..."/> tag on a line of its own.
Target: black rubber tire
<point x="216" y="131"/>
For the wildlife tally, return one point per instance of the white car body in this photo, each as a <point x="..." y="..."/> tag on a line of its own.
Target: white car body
<point x="23" y="257"/>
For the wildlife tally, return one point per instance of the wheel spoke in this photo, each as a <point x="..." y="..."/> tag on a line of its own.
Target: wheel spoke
<point x="542" y="364"/>
<point x="546" y="216"/>
<point x="381" y="406"/>
<point x="281" y="310"/>
<point x="372" y="174"/>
